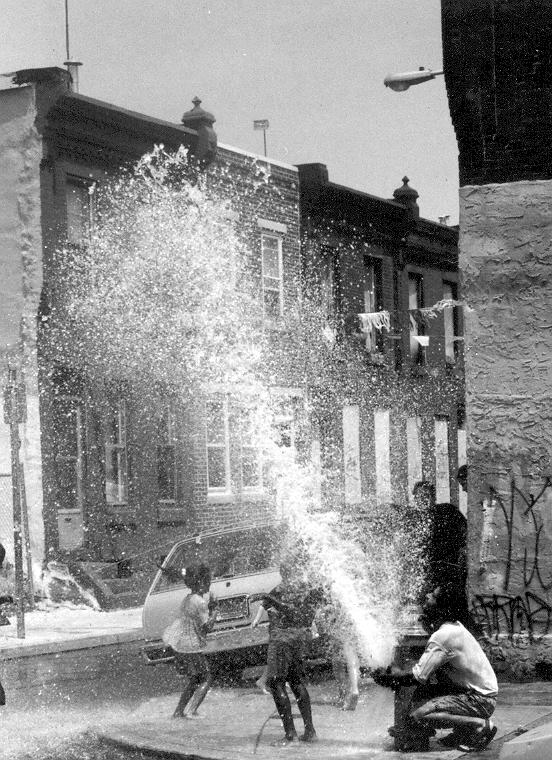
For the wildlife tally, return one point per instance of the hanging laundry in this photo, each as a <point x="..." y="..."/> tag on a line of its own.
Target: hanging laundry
<point x="374" y="320"/>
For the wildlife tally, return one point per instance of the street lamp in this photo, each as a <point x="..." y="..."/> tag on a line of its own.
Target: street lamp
<point x="401" y="82"/>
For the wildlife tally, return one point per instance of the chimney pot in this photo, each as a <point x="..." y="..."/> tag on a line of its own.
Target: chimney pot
<point x="202" y="122"/>
<point x="407" y="197"/>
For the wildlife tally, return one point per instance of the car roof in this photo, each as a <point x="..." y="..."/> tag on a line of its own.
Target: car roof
<point x="227" y="530"/>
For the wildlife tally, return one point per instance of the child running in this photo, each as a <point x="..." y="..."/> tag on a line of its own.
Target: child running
<point x="196" y="620"/>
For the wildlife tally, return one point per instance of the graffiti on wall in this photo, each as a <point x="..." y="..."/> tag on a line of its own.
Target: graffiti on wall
<point x="520" y="607"/>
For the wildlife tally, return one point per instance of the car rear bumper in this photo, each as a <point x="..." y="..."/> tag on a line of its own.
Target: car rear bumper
<point x="156" y="652"/>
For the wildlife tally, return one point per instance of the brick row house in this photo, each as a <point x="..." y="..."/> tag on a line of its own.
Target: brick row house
<point x="117" y="477"/>
<point x="399" y="417"/>
<point x="113" y="479"/>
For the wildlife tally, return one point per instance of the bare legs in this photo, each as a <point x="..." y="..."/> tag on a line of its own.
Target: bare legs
<point x="283" y="705"/>
<point x="192" y="696"/>
<point x="346" y="672"/>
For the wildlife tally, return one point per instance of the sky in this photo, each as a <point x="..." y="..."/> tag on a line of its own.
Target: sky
<point x="313" y="68"/>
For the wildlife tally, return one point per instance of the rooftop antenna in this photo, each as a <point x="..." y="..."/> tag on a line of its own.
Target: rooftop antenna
<point x="72" y="66"/>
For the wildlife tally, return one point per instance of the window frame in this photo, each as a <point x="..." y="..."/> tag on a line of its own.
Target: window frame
<point x="259" y="458"/>
<point x="87" y="218"/>
<point x="280" y="279"/>
<point x="374" y="341"/>
<point x="119" y="407"/>
<point x="417" y="351"/>
<point x="225" y="490"/>
<point x="168" y="439"/>
<point x="451" y="323"/>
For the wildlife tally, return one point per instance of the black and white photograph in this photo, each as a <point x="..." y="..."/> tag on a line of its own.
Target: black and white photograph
<point x="276" y="379"/>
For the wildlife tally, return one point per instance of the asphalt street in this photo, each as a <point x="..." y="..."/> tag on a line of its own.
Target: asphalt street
<point x="52" y="701"/>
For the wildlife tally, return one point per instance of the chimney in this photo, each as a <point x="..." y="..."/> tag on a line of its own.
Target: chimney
<point x="73" y="69"/>
<point x="316" y="173"/>
<point x="202" y="122"/>
<point x="407" y="197"/>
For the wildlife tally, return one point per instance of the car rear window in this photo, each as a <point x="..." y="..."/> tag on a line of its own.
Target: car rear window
<point x="238" y="553"/>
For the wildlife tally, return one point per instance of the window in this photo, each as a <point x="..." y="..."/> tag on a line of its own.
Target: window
<point x="450" y="317"/>
<point x="328" y="285"/>
<point x="68" y="439"/>
<point x="271" y="247"/>
<point x="373" y="299"/>
<point x="166" y="456"/>
<point x="79" y="201"/>
<point x="116" y="461"/>
<point x="251" y="454"/>
<point x="284" y="424"/>
<point x="218" y="454"/>
<point x="415" y="301"/>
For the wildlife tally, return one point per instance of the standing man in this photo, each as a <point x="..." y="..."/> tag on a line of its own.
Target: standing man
<point x="291" y="607"/>
<point x="456" y="684"/>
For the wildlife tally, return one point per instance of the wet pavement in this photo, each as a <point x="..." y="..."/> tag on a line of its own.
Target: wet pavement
<point x="72" y="692"/>
<point x="237" y="723"/>
<point x="55" y="702"/>
<point x="107" y="704"/>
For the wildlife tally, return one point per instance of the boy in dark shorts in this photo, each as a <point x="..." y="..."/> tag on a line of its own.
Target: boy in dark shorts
<point x="456" y="686"/>
<point x="196" y="619"/>
<point x="291" y="607"/>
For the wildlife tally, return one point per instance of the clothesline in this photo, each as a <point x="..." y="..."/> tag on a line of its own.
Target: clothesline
<point x="379" y="320"/>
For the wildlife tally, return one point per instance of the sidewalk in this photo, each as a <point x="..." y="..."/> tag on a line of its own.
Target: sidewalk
<point x="51" y="629"/>
<point x="237" y="723"/>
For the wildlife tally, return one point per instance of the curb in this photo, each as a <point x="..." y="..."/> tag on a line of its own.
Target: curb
<point x="20" y="651"/>
<point x="497" y="744"/>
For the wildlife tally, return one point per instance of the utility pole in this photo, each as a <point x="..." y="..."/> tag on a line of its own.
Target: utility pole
<point x="14" y="414"/>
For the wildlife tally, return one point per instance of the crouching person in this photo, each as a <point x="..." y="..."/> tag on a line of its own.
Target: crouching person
<point x="456" y="686"/>
<point x="187" y="636"/>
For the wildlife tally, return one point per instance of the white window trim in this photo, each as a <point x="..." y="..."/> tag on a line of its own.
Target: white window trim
<point x="218" y="493"/>
<point x="280" y="288"/>
<point x="268" y="224"/>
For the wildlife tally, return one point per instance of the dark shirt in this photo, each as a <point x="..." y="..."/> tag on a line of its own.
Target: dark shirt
<point x="291" y="606"/>
<point x="447" y="546"/>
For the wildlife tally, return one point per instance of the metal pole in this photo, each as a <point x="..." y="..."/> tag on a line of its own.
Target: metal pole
<point x="27" y="535"/>
<point x="264" y="139"/>
<point x="17" y="543"/>
<point x="67" y="29"/>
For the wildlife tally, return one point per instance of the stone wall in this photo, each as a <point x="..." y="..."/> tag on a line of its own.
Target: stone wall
<point x="20" y="287"/>
<point x="505" y="250"/>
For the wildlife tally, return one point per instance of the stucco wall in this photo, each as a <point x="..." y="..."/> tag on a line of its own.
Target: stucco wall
<point x="505" y="261"/>
<point x="20" y="286"/>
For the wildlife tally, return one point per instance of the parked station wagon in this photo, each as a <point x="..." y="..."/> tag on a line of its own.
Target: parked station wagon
<point x="244" y="567"/>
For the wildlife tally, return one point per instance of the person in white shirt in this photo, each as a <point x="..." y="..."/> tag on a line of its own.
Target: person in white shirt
<point x="457" y="685"/>
<point x="187" y="636"/>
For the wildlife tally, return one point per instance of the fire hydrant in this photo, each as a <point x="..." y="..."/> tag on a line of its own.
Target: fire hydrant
<point x="407" y="653"/>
